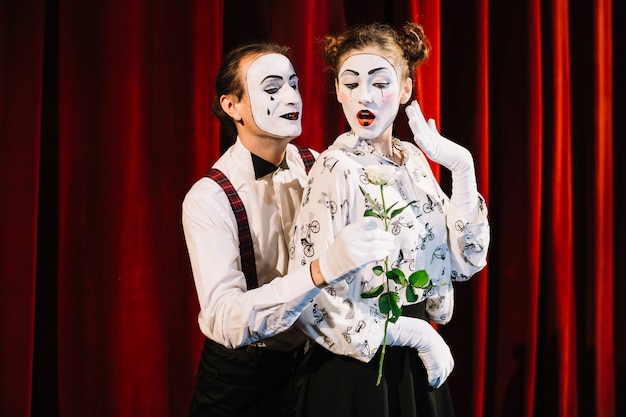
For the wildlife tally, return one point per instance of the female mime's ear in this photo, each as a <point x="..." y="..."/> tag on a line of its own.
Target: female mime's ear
<point x="407" y="89"/>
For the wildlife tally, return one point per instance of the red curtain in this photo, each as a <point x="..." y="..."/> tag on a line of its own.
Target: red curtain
<point x="21" y="67"/>
<point x="105" y="123"/>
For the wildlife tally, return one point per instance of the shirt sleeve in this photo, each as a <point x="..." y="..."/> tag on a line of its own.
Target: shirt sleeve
<point x="468" y="236"/>
<point x="230" y="314"/>
<point x="469" y="240"/>
<point x="338" y="318"/>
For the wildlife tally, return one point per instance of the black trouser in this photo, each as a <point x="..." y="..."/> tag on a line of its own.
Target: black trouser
<point x="249" y="381"/>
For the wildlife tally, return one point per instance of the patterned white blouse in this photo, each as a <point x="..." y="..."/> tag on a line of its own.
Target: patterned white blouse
<point x="431" y="234"/>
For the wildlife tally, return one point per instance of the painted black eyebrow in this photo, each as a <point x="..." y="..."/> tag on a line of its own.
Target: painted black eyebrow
<point x="350" y="71"/>
<point x="370" y="72"/>
<point x="271" y="77"/>
<point x="277" y="77"/>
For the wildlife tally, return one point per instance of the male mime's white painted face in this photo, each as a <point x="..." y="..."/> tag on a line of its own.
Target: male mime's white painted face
<point x="275" y="101"/>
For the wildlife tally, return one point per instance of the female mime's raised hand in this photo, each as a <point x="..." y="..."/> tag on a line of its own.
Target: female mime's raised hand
<point x="449" y="154"/>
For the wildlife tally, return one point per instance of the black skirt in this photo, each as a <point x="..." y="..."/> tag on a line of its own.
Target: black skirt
<point x="334" y="385"/>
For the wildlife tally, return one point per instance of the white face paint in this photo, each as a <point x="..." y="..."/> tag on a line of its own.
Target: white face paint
<point x="275" y="101"/>
<point x="369" y="92"/>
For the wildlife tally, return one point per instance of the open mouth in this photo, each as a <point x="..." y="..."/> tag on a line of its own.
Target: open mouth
<point x="291" y="116"/>
<point x="365" y="117"/>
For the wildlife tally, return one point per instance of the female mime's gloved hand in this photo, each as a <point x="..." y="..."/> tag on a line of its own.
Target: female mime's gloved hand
<point x="431" y="348"/>
<point x="449" y="154"/>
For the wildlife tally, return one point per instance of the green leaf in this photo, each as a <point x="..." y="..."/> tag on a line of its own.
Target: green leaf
<point x="384" y="303"/>
<point x="400" y="210"/>
<point x="397" y="276"/>
<point x="411" y="297"/>
<point x="396" y="310"/>
<point x="388" y="302"/>
<point x="419" y="279"/>
<point x="370" y="213"/>
<point x="373" y="292"/>
<point x="390" y="207"/>
<point x="368" y="197"/>
<point x="378" y="270"/>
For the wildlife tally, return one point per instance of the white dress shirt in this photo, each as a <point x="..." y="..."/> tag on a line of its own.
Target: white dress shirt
<point x="230" y="314"/>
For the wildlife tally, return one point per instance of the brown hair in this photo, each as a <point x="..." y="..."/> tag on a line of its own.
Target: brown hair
<point x="408" y="47"/>
<point x="228" y="79"/>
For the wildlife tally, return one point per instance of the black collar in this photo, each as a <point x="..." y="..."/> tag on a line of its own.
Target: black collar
<point x="263" y="167"/>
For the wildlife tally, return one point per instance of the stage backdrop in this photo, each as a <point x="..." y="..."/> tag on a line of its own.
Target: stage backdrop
<point x="105" y="123"/>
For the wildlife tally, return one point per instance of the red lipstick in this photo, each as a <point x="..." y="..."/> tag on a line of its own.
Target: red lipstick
<point x="365" y="117"/>
<point x="291" y="116"/>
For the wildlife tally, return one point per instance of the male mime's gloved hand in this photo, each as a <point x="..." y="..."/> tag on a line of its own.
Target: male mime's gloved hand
<point x="355" y="246"/>
<point x="449" y="154"/>
<point x="430" y="346"/>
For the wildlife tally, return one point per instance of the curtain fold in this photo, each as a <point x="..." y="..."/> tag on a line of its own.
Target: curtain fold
<point x="21" y="77"/>
<point x="105" y="123"/>
<point x="427" y="89"/>
<point x="206" y="42"/>
<point x="561" y="330"/>
<point x="603" y="338"/>
<point x="535" y="197"/>
<point x="480" y="289"/>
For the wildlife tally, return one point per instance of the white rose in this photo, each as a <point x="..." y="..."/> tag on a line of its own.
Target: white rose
<point x="381" y="174"/>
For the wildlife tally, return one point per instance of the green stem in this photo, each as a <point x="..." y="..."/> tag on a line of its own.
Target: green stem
<point x="386" y="223"/>
<point x="385" y="219"/>
<point x="382" y="354"/>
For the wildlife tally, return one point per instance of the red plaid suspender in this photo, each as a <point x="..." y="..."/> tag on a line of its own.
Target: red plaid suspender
<point x="246" y="247"/>
<point x="307" y="157"/>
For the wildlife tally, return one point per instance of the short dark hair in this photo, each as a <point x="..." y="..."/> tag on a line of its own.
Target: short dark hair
<point x="228" y="80"/>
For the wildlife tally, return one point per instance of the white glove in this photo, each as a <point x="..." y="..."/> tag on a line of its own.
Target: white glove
<point x="430" y="346"/>
<point x="355" y="246"/>
<point x="449" y="154"/>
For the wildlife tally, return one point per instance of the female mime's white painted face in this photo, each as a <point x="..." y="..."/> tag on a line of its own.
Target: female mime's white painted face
<point x="275" y="101"/>
<point x="370" y="93"/>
